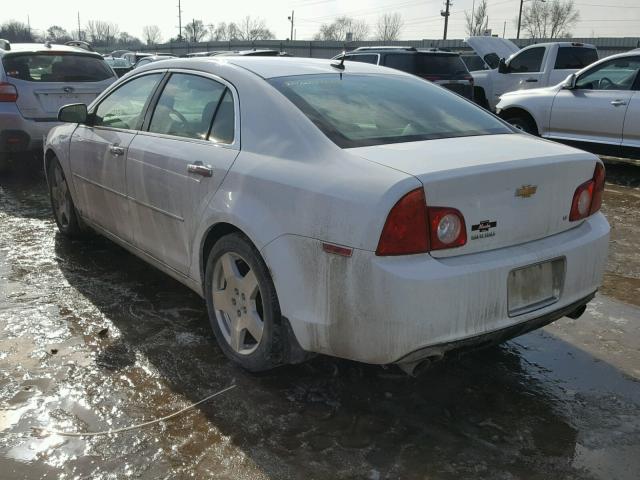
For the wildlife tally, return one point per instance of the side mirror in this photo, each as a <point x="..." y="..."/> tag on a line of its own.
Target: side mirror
<point x="570" y="82"/>
<point x="503" y="66"/>
<point x="74" y="113"/>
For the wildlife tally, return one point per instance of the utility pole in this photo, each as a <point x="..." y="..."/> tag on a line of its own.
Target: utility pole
<point x="504" y="28"/>
<point x="291" y="20"/>
<point x="179" y="22"/>
<point x="79" y="32"/>
<point x="445" y="13"/>
<point x="519" y="18"/>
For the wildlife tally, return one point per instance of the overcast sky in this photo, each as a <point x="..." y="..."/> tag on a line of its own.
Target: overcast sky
<point x="602" y="18"/>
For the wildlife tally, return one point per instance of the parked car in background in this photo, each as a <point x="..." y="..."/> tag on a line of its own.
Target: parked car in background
<point x="151" y="59"/>
<point x="444" y="68"/>
<point x="120" y="65"/>
<point x="119" y="53"/>
<point x="538" y="65"/>
<point x="134" y="57"/>
<point x="36" y="79"/>
<point x="597" y="108"/>
<point x="254" y="53"/>
<point x="380" y="218"/>
<point x="473" y="62"/>
<point x="212" y="53"/>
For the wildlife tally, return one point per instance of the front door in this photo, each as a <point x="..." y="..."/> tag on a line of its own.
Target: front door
<point x="178" y="163"/>
<point x="99" y="151"/>
<point x="594" y="111"/>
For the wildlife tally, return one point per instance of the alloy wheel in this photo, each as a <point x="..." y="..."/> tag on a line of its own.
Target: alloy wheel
<point x="60" y="196"/>
<point x="238" y="303"/>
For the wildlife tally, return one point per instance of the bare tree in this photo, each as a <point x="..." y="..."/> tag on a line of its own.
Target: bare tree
<point x="250" y="29"/>
<point x="57" y="34"/>
<point x="151" y="34"/>
<point x="389" y="27"/>
<point x="129" y="40"/>
<point x="195" y="31"/>
<point x="102" y="33"/>
<point x="342" y="28"/>
<point x="477" y="21"/>
<point x="550" y="19"/>
<point x="218" y="32"/>
<point x="16" y="32"/>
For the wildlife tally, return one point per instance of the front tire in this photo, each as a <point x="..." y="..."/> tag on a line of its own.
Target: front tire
<point x="243" y="306"/>
<point x="64" y="210"/>
<point x="523" y="123"/>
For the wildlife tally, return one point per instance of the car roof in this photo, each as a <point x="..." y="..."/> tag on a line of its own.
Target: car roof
<point x="560" y="44"/>
<point x="46" y="47"/>
<point x="272" y="67"/>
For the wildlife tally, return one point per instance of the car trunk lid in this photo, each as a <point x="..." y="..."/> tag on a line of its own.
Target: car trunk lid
<point x="511" y="189"/>
<point x="43" y="102"/>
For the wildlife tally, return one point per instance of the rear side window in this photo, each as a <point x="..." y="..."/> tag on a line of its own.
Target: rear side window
<point x="363" y="110"/>
<point x="187" y="106"/>
<point x="426" y="64"/>
<point x="575" y="58"/>
<point x="124" y="107"/>
<point x="362" y="58"/>
<point x="56" y="67"/>
<point x="527" y="61"/>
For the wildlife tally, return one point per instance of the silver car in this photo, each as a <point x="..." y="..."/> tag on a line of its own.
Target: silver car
<point x="35" y="81"/>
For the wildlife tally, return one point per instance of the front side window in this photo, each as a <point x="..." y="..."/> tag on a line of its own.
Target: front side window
<point x="527" y="61"/>
<point x="124" y="107"/>
<point x="56" y="67"/>
<point x="575" y="58"/>
<point x="187" y="106"/>
<point x="617" y="74"/>
<point x="362" y="110"/>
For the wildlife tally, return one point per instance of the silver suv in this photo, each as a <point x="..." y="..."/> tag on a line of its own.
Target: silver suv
<point x="35" y="81"/>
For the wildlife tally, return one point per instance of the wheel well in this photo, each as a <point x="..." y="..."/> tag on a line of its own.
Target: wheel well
<point x="215" y="233"/>
<point x="480" y="97"/>
<point x="518" y="112"/>
<point x="48" y="156"/>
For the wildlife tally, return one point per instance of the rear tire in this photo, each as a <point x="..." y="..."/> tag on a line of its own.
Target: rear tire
<point x="243" y="306"/>
<point x="64" y="210"/>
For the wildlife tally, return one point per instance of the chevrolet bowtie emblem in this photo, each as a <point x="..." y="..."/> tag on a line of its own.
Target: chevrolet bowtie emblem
<point x="526" y="191"/>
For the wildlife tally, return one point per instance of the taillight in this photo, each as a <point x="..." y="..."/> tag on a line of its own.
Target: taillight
<point x="405" y="231"/>
<point x="8" y="92"/>
<point x="447" y="228"/>
<point x="412" y="227"/>
<point x="587" y="198"/>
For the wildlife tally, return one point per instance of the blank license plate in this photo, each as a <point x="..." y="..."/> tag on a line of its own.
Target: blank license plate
<point x="535" y="286"/>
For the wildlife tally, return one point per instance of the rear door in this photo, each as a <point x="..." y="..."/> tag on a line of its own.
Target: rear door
<point x="178" y="163"/>
<point x="47" y="81"/>
<point x="631" y="130"/>
<point x="98" y="153"/>
<point x="570" y="60"/>
<point x="594" y="111"/>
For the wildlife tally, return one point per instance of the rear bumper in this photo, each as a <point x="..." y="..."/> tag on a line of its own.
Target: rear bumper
<point x="386" y="309"/>
<point x="18" y="134"/>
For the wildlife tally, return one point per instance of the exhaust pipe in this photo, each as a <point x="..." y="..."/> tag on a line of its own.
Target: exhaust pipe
<point x="414" y="369"/>
<point x="577" y="313"/>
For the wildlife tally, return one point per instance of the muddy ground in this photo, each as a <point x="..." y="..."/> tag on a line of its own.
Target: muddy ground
<point x="93" y="339"/>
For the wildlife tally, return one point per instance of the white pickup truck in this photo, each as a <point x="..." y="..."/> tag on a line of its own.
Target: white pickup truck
<point x="535" y="66"/>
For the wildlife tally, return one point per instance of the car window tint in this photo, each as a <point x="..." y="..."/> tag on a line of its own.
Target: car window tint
<point x="186" y="106"/>
<point x="362" y="58"/>
<point x="617" y="74"/>
<point x="223" y="127"/>
<point x="401" y="61"/>
<point x="124" y="107"/>
<point x="52" y="67"/>
<point x="362" y="110"/>
<point x="575" y="57"/>
<point x="527" y="61"/>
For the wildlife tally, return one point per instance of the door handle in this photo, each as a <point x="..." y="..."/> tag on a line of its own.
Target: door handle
<point x="531" y="80"/>
<point x="617" y="103"/>
<point x="116" y="151"/>
<point x="199" y="169"/>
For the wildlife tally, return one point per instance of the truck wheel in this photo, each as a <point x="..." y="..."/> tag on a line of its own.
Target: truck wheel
<point x="243" y="306"/>
<point x="523" y="123"/>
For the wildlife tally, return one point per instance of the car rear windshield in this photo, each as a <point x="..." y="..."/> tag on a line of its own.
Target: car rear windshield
<point x="427" y="64"/>
<point x="56" y="67"/>
<point x="575" y="57"/>
<point x="362" y="110"/>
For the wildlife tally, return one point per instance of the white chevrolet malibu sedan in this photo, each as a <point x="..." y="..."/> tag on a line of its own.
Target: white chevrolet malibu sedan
<point x="349" y="210"/>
